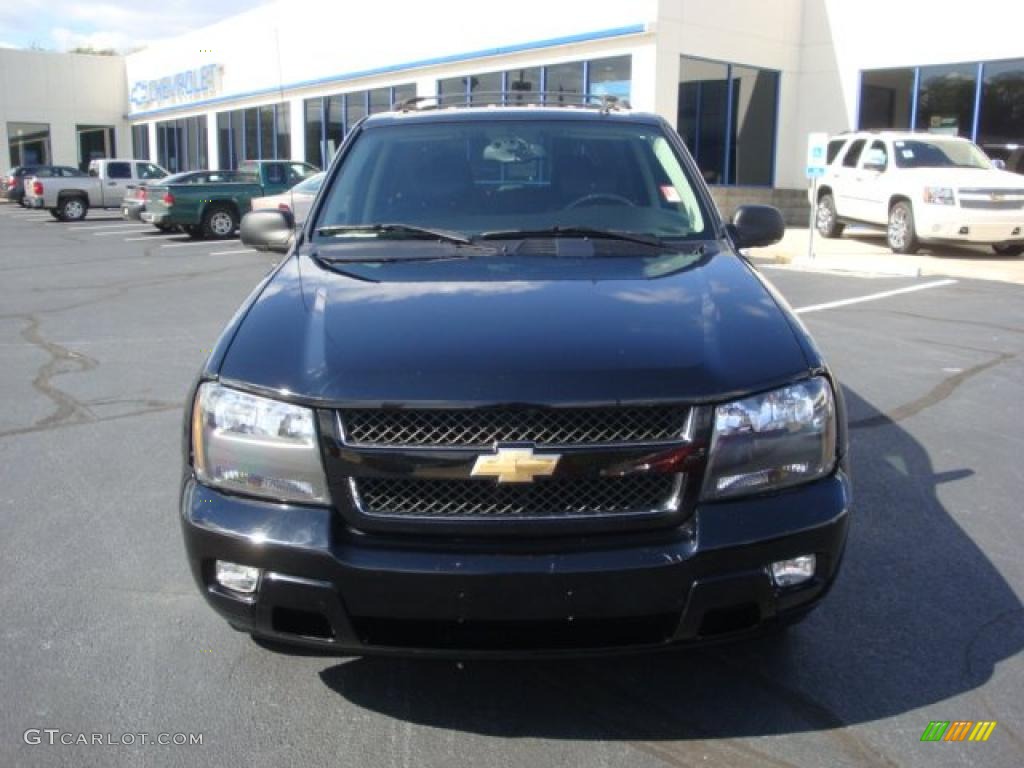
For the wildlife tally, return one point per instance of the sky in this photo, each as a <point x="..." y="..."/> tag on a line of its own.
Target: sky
<point x="62" y="24"/>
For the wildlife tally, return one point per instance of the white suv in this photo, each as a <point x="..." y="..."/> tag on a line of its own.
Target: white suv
<point x="921" y="187"/>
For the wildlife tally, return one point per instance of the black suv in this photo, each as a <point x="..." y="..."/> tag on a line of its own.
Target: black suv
<point x="513" y="390"/>
<point x="14" y="182"/>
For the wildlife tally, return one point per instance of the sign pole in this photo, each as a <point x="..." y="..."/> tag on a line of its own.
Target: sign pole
<point x="811" y="222"/>
<point x="817" y="161"/>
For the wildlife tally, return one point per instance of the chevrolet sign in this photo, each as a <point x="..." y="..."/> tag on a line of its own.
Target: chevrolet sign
<point x="183" y="86"/>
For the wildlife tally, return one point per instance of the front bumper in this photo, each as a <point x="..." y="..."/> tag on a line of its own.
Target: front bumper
<point x="324" y="585"/>
<point x="954" y="224"/>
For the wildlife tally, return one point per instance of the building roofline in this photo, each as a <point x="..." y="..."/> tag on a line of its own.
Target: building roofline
<point x="583" y="37"/>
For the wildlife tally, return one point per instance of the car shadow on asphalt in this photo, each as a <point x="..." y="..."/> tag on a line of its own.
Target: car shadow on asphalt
<point x="918" y="615"/>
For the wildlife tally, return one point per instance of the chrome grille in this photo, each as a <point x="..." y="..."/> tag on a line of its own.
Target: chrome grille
<point x="546" y="498"/>
<point x="485" y="427"/>
<point x="991" y="198"/>
<point x="992" y="205"/>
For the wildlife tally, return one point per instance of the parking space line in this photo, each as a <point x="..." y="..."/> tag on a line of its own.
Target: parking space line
<point x="129" y="231"/>
<point x="187" y="245"/>
<point x="226" y="253"/>
<point x="872" y="296"/>
<point x="124" y="225"/>
<point x="141" y="239"/>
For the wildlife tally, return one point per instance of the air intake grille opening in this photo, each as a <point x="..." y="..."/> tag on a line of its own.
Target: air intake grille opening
<point x="482" y="428"/>
<point x="516" y="635"/>
<point x="547" y="497"/>
<point x="302" y="623"/>
<point x="736" y="618"/>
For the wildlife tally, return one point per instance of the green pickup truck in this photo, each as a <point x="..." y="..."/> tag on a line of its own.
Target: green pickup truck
<point x="215" y="209"/>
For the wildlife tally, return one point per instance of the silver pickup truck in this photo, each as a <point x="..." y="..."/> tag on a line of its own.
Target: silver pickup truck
<point x="69" y="199"/>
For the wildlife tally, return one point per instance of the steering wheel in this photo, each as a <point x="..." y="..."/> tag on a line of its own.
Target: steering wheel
<point x="594" y="196"/>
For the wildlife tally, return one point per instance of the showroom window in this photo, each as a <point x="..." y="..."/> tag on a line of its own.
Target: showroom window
<point x="981" y="101"/>
<point x="599" y="77"/>
<point x="330" y="118"/>
<point x="1000" y="122"/>
<point x="29" y="143"/>
<point x="886" y="97"/>
<point x="258" y="133"/>
<point x="181" y="145"/>
<point x="727" y="117"/>
<point x="140" y="142"/>
<point x="95" y="142"/>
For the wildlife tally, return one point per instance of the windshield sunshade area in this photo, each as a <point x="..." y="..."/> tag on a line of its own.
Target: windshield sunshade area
<point x="922" y="153"/>
<point x="508" y="176"/>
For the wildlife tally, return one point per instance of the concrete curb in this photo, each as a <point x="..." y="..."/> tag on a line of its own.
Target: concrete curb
<point x="827" y="266"/>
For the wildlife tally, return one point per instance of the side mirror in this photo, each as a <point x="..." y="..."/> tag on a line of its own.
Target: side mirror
<point x="755" y="225"/>
<point x="268" y="230"/>
<point x="999" y="165"/>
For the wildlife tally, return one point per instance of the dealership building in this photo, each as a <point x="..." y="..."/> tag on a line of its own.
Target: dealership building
<point x="743" y="81"/>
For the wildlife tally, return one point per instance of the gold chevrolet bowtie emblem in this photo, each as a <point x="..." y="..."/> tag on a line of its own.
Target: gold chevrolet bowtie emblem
<point x="515" y="465"/>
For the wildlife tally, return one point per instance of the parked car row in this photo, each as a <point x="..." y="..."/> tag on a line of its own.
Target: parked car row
<point x="201" y="203"/>
<point x="215" y="208"/>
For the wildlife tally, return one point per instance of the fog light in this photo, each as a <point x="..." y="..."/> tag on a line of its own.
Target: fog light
<point x="238" y="578"/>
<point x="964" y="231"/>
<point x="789" y="573"/>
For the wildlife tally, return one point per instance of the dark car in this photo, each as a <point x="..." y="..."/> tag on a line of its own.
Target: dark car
<point x="512" y="391"/>
<point x="14" y="183"/>
<point x="134" y="203"/>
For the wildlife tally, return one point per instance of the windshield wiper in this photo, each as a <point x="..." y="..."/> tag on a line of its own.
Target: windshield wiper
<point x="444" y="235"/>
<point x="591" y="232"/>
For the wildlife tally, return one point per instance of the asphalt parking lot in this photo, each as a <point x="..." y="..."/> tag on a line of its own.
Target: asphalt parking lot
<point x="102" y="328"/>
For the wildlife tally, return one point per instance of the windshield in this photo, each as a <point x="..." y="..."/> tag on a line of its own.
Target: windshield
<point x="938" y="153"/>
<point x="311" y="185"/>
<point x="504" y="175"/>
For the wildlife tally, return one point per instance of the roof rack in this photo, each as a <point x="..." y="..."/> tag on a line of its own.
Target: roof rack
<point x="603" y="102"/>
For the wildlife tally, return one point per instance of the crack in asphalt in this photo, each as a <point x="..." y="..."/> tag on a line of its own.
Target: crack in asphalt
<point x="62" y="360"/>
<point x="957" y="321"/>
<point x="70" y="410"/>
<point x="113" y="290"/>
<point x="936" y="395"/>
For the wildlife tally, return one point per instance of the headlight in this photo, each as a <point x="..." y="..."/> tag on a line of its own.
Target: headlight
<point x="939" y="195"/>
<point x="255" y="445"/>
<point x="775" y="440"/>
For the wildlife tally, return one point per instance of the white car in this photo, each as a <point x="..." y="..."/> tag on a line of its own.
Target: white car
<point x="922" y="187"/>
<point x="298" y="199"/>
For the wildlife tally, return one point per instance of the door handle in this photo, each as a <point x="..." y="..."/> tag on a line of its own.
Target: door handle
<point x="111" y="183"/>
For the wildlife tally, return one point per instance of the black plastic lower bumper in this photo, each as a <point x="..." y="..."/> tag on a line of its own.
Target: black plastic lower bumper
<point x="326" y="586"/>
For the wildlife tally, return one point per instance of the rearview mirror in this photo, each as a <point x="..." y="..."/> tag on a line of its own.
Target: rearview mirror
<point x="268" y="230"/>
<point x="755" y="225"/>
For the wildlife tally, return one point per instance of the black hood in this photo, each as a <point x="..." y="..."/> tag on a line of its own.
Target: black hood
<point x="531" y="330"/>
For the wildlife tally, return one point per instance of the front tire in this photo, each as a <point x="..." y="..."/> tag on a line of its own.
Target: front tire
<point x="72" y="209"/>
<point x="1008" y="249"/>
<point x="219" y="222"/>
<point x="825" y="219"/>
<point x="55" y="213"/>
<point x="900" y="234"/>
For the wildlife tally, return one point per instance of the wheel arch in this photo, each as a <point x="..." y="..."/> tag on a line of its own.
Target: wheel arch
<point x="899" y="197"/>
